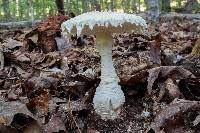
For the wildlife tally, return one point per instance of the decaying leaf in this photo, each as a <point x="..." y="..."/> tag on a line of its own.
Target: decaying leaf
<point x="50" y="59"/>
<point x="155" y="50"/>
<point x="11" y="44"/>
<point x="89" y="75"/>
<point x="62" y="43"/>
<point x="173" y="72"/>
<point x="173" y="89"/>
<point x="23" y="73"/>
<point x="33" y="127"/>
<point x="190" y="87"/>
<point x="38" y="91"/>
<point x="48" y="30"/>
<point x="39" y="104"/>
<point x="9" y="109"/>
<point x="171" y="118"/>
<point x="55" y="124"/>
<point x="34" y="85"/>
<point x="58" y="86"/>
<point x="21" y="57"/>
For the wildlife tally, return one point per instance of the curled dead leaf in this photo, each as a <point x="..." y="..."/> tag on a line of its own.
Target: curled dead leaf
<point x="171" y="118"/>
<point x="173" y="72"/>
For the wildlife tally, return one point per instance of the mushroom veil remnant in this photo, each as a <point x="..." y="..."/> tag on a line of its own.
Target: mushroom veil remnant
<point x="108" y="97"/>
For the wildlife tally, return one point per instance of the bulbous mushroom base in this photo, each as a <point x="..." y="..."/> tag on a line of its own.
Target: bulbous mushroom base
<point x="108" y="100"/>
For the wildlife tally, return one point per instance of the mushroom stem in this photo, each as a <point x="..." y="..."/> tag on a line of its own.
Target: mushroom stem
<point x="108" y="97"/>
<point x="104" y="46"/>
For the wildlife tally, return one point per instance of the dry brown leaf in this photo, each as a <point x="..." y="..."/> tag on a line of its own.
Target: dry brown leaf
<point x="55" y="124"/>
<point x="155" y="51"/>
<point x="50" y="59"/>
<point x="23" y="73"/>
<point x="173" y="89"/>
<point x="6" y="129"/>
<point x="40" y="103"/>
<point x="190" y="87"/>
<point x="9" y="109"/>
<point x="54" y="72"/>
<point x="38" y="91"/>
<point x="88" y="75"/>
<point x="15" y="92"/>
<point x="11" y="44"/>
<point x="62" y="43"/>
<point x="33" y="127"/>
<point x="21" y="57"/>
<point x="34" y="85"/>
<point x="171" y="118"/>
<point x="173" y="72"/>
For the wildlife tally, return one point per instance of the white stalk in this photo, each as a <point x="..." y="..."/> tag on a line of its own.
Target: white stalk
<point x="108" y="97"/>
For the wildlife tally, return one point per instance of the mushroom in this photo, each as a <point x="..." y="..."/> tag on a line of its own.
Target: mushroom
<point x="108" y="97"/>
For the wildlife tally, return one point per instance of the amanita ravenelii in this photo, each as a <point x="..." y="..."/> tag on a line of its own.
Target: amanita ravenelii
<point x="108" y="97"/>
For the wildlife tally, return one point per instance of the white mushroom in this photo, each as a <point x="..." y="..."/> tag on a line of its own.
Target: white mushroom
<point x="108" y="97"/>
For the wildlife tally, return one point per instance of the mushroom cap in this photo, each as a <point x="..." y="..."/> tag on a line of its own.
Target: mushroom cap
<point x="93" y="22"/>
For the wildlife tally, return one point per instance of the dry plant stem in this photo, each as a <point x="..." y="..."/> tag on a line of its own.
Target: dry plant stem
<point x="108" y="97"/>
<point x="1" y="58"/>
<point x="70" y="112"/>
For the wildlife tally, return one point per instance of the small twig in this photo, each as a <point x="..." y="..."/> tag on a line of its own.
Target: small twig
<point x="70" y="112"/>
<point x="140" y="68"/>
<point x="142" y="35"/>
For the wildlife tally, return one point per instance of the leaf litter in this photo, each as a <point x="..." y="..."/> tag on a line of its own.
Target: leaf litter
<point x="47" y="82"/>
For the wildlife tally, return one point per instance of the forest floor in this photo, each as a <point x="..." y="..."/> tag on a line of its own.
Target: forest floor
<point x="47" y="84"/>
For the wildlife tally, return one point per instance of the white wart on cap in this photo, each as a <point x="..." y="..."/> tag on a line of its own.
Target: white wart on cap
<point x="92" y="22"/>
